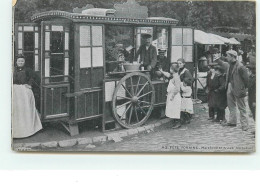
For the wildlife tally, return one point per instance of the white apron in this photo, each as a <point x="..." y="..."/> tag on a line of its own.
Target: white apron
<point x="187" y="105"/>
<point x="173" y="108"/>
<point x="26" y="121"/>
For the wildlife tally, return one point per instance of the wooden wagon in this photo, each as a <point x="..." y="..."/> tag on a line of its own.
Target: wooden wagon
<point x="67" y="51"/>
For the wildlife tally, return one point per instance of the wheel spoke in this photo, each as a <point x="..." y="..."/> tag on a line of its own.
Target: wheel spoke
<point x="125" y="111"/>
<point x="136" y="115"/>
<point x="117" y="107"/>
<point x="130" y="116"/>
<point x="141" y="109"/>
<point x="137" y="85"/>
<point x="132" y="86"/>
<point x="142" y="88"/>
<point x="145" y="102"/>
<point x="145" y="94"/>
<point x="126" y="90"/>
<point x="124" y="97"/>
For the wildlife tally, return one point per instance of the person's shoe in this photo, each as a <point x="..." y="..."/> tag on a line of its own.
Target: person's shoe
<point x="177" y="125"/>
<point x="229" y="124"/>
<point x="210" y="118"/>
<point x="215" y="120"/>
<point x="244" y="128"/>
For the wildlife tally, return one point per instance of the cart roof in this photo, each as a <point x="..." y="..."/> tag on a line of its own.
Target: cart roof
<point x="79" y="17"/>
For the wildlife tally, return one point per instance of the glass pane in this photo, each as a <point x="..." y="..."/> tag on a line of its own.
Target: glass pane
<point x="28" y="41"/>
<point x="176" y="53"/>
<point x="187" y="36"/>
<point x="36" y="63"/>
<point x="47" y="41"/>
<point x="36" y="40"/>
<point x="84" y="35"/>
<point x="85" y="57"/>
<point x="57" y="65"/>
<point x="57" y="42"/>
<point x="66" y="41"/>
<point x="47" y="67"/>
<point x="176" y="36"/>
<point x="66" y="68"/>
<point x="28" y="28"/>
<point x="97" y="35"/>
<point x="56" y="28"/>
<point x="187" y="53"/>
<point x="97" y="53"/>
<point x="20" y="40"/>
<point x="29" y="60"/>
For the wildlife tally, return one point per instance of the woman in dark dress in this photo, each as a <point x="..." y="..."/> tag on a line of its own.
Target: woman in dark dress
<point x="26" y="121"/>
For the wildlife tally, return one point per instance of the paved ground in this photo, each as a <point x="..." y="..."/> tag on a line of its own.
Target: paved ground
<point x="200" y="135"/>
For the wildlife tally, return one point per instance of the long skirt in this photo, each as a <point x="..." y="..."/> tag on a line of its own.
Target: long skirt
<point x="173" y="108"/>
<point x="26" y="121"/>
<point x="187" y="105"/>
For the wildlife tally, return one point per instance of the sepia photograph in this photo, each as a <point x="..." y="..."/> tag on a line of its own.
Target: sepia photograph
<point x="135" y="76"/>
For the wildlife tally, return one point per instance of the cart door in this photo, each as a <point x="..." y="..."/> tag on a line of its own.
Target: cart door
<point x="27" y="42"/>
<point x="182" y="45"/>
<point x="55" y="70"/>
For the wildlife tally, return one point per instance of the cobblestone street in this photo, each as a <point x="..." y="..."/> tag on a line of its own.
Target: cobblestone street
<point x="200" y="135"/>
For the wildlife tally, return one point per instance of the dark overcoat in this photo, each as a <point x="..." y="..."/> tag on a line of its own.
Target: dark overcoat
<point x="217" y="96"/>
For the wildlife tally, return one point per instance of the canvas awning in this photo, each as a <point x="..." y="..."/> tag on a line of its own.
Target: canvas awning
<point x="202" y="37"/>
<point x="234" y="41"/>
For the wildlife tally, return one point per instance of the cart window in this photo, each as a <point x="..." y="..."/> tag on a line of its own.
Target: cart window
<point x="85" y="57"/>
<point x="182" y="44"/>
<point x="27" y="43"/>
<point x="57" y="43"/>
<point x="57" y="65"/>
<point x="97" y="35"/>
<point x="84" y="35"/>
<point x="56" y="53"/>
<point x="91" y="55"/>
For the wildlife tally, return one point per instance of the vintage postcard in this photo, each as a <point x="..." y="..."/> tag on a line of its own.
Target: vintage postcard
<point x="134" y="76"/>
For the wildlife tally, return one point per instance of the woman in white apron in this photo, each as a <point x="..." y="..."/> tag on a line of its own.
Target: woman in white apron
<point x="25" y="119"/>
<point x="173" y="102"/>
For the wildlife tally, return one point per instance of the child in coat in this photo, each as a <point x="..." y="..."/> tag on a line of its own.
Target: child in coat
<point x="211" y="86"/>
<point x="173" y="102"/>
<point x="186" y="101"/>
<point x="220" y="94"/>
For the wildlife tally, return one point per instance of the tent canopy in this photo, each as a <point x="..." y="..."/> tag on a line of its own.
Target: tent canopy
<point x="205" y="38"/>
<point x="234" y="41"/>
<point x="210" y="38"/>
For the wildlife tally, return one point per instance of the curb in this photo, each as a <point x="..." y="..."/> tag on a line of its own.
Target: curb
<point x="115" y="136"/>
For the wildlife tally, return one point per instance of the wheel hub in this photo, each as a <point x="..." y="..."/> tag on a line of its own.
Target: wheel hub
<point x="134" y="99"/>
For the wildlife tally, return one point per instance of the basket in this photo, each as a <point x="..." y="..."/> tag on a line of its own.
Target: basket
<point x="131" y="67"/>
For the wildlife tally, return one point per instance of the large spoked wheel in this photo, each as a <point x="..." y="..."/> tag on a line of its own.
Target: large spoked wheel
<point x="133" y="100"/>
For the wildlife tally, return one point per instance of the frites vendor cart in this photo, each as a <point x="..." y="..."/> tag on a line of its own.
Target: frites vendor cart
<point x="79" y="82"/>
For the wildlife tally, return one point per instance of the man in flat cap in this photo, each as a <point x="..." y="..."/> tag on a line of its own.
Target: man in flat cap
<point x="237" y="82"/>
<point x="148" y="53"/>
